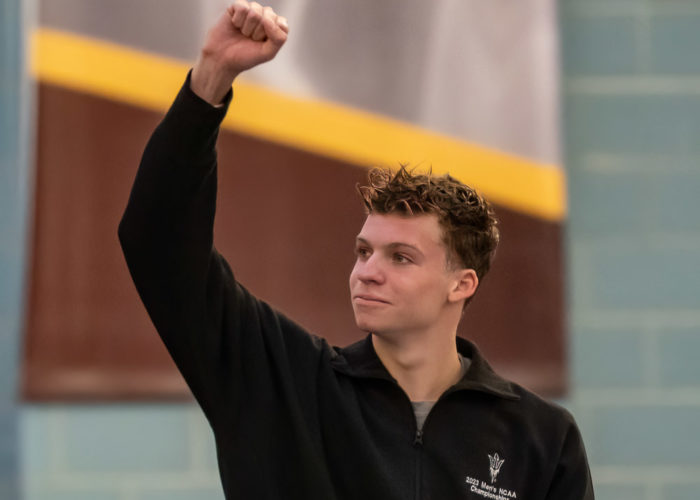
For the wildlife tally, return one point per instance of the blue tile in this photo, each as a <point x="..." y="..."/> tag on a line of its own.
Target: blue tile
<point x="636" y="277"/>
<point x="12" y="228"/>
<point x="74" y="494"/>
<point x="681" y="491"/>
<point x="645" y="435"/>
<point x="674" y="44"/>
<point x="150" y="438"/>
<point x="632" y="124"/>
<point x="213" y="493"/>
<point x="604" y="359"/>
<point x="578" y="271"/>
<point x="8" y="441"/>
<point x="206" y="440"/>
<point x="9" y="365"/>
<point x="34" y="441"/>
<point x="609" y="203"/>
<point x="678" y="358"/>
<point x="613" y="203"/>
<point x="619" y="492"/>
<point x="602" y="6"/>
<point x="676" y="202"/>
<point x="9" y="489"/>
<point x="599" y="45"/>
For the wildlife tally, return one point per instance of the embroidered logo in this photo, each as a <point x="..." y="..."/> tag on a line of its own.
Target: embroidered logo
<point x="483" y="488"/>
<point x="495" y="466"/>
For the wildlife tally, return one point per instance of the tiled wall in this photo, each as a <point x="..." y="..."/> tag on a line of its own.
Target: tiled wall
<point x="632" y="118"/>
<point x="13" y="205"/>
<point x="140" y="452"/>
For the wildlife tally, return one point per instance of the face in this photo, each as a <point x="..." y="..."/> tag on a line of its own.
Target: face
<point x="401" y="281"/>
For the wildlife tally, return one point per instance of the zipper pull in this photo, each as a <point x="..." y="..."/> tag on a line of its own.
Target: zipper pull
<point x="418" y="440"/>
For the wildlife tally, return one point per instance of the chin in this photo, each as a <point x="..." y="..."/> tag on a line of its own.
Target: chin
<point x="374" y="328"/>
<point x="366" y="324"/>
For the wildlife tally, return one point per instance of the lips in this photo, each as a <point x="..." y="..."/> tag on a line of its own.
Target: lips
<point x="369" y="299"/>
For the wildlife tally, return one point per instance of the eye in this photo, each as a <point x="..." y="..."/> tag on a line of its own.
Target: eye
<point x="362" y="252"/>
<point x="400" y="258"/>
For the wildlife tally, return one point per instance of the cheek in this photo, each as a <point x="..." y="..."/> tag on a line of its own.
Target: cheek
<point x="429" y="293"/>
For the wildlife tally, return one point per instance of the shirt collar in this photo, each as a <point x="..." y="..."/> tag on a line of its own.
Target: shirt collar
<point x="360" y="360"/>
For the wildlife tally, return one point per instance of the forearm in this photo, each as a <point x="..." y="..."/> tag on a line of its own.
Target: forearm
<point x="166" y="231"/>
<point x="178" y="158"/>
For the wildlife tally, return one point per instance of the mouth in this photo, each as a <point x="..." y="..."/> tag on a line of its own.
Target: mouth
<point x="368" y="299"/>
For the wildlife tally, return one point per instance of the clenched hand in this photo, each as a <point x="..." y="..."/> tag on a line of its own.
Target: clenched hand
<point x="246" y="35"/>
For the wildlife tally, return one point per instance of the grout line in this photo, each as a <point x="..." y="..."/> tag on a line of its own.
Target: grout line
<point x="132" y="482"/>
<point x="651" y="240"/>
<point x="605" y="163"/>
<point x="631" y="397"/>
<point x="647" y="474"/>
<point x="610" y="8"/>
<point x="633" y="85"/>
<point x="636" y="318"/>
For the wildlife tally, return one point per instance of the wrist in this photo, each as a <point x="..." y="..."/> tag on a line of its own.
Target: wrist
<point x="211" y="81"/>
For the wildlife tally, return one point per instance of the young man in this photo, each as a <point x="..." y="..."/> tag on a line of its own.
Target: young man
<point x="409" y="412"/>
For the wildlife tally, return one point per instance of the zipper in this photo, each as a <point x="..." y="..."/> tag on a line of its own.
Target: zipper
<point x="418" y="439"/>
<point x="418" y="445"/>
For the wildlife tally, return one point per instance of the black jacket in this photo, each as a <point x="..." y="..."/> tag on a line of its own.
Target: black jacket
<point x="294" y="417"/>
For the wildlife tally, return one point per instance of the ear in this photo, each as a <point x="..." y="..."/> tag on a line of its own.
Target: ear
<point x="464" y="286"/>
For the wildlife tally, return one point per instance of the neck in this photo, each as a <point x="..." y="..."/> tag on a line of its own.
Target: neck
<point x="424" y="366"/>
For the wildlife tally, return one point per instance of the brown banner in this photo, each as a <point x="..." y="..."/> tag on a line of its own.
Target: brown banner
<point x="286" y="221"/>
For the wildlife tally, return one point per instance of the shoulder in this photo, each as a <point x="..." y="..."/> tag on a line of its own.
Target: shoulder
<point x="529" y="412"/>
<point x="543" y="412"/>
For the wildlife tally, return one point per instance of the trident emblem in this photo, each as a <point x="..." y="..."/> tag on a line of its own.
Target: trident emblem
<point x="495" y="466"/>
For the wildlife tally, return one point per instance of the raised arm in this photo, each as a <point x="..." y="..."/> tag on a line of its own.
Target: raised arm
<point x="166" y="231"/>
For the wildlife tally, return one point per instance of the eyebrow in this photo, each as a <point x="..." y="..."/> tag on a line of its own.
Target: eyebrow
<point x="392" y="245"/>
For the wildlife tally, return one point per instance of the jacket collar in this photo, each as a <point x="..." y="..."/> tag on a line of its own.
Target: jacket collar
<point x="360" y="360"/>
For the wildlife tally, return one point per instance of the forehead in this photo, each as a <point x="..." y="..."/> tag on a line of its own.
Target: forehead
<point x="422" y="230"/>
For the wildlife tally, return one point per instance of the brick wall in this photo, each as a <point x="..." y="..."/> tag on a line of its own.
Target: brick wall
<point x="632" y="127"/>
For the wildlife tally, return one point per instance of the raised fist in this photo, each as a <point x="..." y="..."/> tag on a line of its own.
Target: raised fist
<point x="246" y="35"/>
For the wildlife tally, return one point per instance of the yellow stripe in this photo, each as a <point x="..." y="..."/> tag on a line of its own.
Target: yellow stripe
<point x="361" y="138"/>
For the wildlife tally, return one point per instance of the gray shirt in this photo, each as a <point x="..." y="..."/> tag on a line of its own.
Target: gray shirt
<point x="422" y="408"/>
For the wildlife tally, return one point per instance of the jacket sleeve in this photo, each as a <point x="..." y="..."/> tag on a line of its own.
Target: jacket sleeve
<point x="572" y="477"/>
<point x="219" y="335"/>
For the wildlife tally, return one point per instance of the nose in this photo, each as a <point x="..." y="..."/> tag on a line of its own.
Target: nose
<point x="369" y="270"/>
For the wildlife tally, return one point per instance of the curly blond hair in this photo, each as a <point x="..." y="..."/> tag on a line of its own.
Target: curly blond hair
<point x="469" y="224"/>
